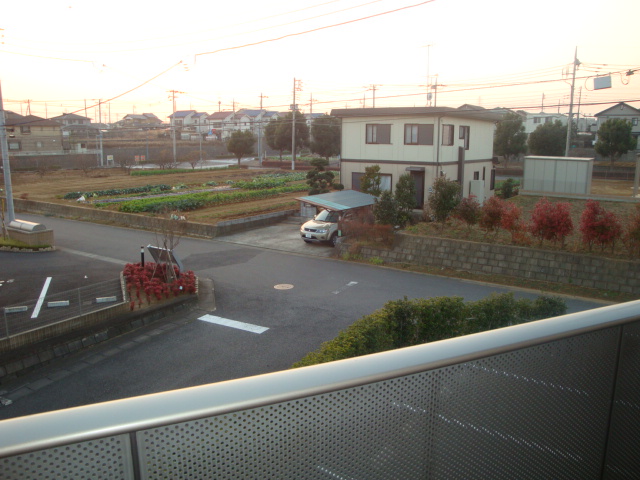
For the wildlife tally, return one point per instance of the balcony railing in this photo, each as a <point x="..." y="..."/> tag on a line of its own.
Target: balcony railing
<point x="557" y="398"/>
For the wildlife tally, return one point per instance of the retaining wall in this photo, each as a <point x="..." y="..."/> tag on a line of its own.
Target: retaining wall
<point x="543" y="265"/>
<point x="144" y="222"/>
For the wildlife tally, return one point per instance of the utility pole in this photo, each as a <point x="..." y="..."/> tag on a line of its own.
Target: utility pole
<point x="311" y="100"/>
<point x="6" y="168"/>
<point x="173" y="125"/>
<point x="435" y="92"/>
<point x="373" y="88"/>
<point x="297" y="86"/>
<point x="428" y="76"/>
<point x="576" y="62"/>
<point x="101" y="160"/>
<point x="260" y="130"/>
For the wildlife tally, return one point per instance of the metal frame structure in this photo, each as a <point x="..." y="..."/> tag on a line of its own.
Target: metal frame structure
<point x="556" y="398"/>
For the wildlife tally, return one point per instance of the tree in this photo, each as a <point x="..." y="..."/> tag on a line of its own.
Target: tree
<point x="510" y="140"/>
<point x="615" y="139"/>
<point x="273" y="138"/>
<point x="549" y="139"/>
<point x="241" y="143"/>
<point x="319" y="179"/>
<point x="325" y="134"/>
<point x="278" y="133"/>
<point x="385" y="210"/>
<point x="444" y="198"/>
<point x="371" y="180"/>
<point x="193" y="158"/>
<point x="405" y="196"/>
<point x="165" y="159"/>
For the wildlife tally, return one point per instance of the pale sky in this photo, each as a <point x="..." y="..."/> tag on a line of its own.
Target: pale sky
<point x="61" y="54"/>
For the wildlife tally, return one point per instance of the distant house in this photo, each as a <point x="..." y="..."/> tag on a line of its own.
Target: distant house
<point x="68" y="119"/>
<point x="140" y="120"/>
<point x="426" y="142"/>
<point x="624" y="111"/>
<point x="31" y="135"/>
<point x="223" y="124"/>
<point x="534" y="120"/>
<point x="190" y="120"/>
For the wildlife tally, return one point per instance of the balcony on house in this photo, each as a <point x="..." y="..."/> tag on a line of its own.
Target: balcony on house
<point x="557" y="398"/>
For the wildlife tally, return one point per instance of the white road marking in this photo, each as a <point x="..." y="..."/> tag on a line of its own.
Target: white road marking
<point x="233" y="324"/>
<point x="343" y="288"/>
<point x="92" y="255"/>
<point x="43" y="293"/>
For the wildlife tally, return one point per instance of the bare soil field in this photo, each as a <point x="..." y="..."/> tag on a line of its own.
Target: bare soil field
<point x="52" y="187"/>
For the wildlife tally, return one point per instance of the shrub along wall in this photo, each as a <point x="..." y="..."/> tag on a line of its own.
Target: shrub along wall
<point x="588" y="271"/>
<point x="403" y="323"/>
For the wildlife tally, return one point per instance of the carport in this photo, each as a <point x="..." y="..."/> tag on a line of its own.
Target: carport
<point x="358" y="202"/>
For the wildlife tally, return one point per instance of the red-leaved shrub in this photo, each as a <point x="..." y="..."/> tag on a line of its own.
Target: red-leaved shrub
<point x="551" y="221"/>
<point x="632" y="233"/>
<point x="151" y="279"/>
<point x="491" y="217"/>
<point x="599" y="226"/>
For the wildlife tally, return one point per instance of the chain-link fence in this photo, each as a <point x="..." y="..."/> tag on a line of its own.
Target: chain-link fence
<point x="53" y="308"/>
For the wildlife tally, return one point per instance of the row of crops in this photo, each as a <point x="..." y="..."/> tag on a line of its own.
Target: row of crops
<point x="162" y="198"/>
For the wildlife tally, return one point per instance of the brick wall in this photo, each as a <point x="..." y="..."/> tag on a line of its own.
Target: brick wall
<point x="560" y="267"/>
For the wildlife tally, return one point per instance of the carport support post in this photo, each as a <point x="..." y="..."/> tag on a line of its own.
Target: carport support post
<point x="11" y="216"/>
<point x="142" y="257"/>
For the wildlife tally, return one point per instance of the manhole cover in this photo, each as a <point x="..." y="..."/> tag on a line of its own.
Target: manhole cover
<point x="283" y="286"/>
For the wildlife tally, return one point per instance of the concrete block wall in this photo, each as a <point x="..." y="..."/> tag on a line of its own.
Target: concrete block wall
<point x="543" y="265"/>
<point x="90" y="214"/>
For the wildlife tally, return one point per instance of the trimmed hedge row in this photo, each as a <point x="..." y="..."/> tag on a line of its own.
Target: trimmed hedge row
<point x="404" y="323"/>
<point x="193" y="201"/>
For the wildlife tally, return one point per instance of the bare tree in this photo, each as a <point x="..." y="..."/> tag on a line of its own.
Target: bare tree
<point x="193" y="158"/>
<point x="164" y="159"/>
<point x="169" y="228"/>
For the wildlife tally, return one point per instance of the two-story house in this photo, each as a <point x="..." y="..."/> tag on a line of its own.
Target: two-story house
<point x="32" y="135"/>
<point x="190" y="120"/>
<point x="425" y="142"/>
<point x="69" y="119"/>
<point x="624" y="111"/>
<point x="140" y="120"/>
<point x="534" y="120"/>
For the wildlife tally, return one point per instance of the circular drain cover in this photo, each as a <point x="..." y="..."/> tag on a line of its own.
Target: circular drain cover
<point x="283" y="286"/>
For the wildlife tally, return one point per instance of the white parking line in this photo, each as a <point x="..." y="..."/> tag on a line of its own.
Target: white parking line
<point x="344" y="287"/>
<point x="43" y="293"/>
<point x="233" y="324"/>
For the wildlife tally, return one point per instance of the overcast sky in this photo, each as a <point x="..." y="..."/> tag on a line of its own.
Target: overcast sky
<point x="61" y="54"/>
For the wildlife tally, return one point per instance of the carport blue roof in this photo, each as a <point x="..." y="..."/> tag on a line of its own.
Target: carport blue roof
<point x="338" y="201"/>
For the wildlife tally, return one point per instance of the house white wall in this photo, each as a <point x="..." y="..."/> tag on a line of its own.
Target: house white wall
<point x="396" y="158"/>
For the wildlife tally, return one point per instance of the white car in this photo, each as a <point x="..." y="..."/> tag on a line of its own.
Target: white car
<point x="323" y="228"/>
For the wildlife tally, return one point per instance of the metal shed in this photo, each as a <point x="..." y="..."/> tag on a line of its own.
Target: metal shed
<point x="557" y="174"/>
<point x="335" y="202"/>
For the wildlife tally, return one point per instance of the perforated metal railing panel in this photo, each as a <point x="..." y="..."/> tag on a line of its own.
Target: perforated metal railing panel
<point x="538" y="412"/>
<point x="623" y="448"/>
<point x="106" y="458"/>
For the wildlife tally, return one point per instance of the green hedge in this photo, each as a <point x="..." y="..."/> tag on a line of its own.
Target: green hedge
<point x="193" y="201"/>
<point x="403" y="323"/>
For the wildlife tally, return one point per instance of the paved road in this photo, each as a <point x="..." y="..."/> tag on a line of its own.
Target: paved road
<point x="291" y="303"/>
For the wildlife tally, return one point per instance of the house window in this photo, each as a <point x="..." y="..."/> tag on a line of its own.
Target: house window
<point x="14" y="145"/>
<point x="484" y="171"/>
<point x="536" y="119"/>
<point x="378" y="133"/>
<point x="179" y="123"/>
<point x="492" y="183"/>
<point x="548" y="120"/>
<point x="465" y="134"/>
<point x="25" y="129"/>
<point x="356" y="178"/>
<point x="634" y="121"/>
<point x="447" y="135"/>
<point x="418" y="134"/>
<point x="476" y="175"/>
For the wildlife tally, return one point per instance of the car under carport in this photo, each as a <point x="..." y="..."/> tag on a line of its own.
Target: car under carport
<point x="341" y="205"/>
